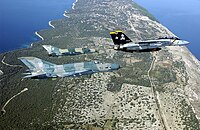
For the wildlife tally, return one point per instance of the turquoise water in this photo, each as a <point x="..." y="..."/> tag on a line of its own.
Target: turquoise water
<point x="180" y="17"/>
<point x="19" y="19"/>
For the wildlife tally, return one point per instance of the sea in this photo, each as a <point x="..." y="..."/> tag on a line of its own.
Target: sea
<point x="180" y="17"/>
<point x="20" y="19"/>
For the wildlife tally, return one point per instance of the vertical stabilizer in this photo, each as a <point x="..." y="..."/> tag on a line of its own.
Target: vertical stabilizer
<point x="51" y="49"/>
<point x="34" y="63"/>
<point x="119" y="37"/>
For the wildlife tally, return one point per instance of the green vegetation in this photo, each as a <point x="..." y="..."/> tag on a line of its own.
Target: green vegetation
<point x="132" y="73"/>
<point x="60" y="103"/>
<point x="179" y="67"/>
<point x="164" y="75"/>
<point x="188" y="117"/>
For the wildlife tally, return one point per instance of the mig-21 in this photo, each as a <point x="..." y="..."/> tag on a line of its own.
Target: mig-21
<point x="122" y="42"/>
<point x="54" y="51"/>
<point x="39" y="69"/>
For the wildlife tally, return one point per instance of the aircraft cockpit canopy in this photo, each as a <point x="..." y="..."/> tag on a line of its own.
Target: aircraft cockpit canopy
<point x="97" y="62"/>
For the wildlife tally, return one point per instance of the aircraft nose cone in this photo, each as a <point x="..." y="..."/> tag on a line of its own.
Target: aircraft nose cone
<point x="115" y="66"/>
<point x="183" y="43"/>
<point x="186" y="43"/>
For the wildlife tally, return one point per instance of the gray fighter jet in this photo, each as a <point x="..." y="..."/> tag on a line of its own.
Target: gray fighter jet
<point x="122" y="42"/>
<point x="42" y="69"/>
<point x="54" y="51"/>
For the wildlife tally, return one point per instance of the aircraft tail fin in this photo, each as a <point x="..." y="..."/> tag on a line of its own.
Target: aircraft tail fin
<point x="51" y="49"/>
<point x="35" y="64"/>
<point x="119" y="37"/>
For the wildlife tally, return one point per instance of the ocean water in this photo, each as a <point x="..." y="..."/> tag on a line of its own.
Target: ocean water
<point x="180" y="17"/>
<point x="19" y="19"/>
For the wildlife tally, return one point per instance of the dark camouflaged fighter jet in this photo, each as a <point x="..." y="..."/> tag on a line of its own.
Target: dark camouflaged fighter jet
<point x="122" y="42"/>
<point x="54" y="51"/>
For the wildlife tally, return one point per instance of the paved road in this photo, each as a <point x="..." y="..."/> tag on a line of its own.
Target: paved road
<point x="3" y="111"/>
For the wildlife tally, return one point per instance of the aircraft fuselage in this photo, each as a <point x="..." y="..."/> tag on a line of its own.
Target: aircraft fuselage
<point x="124" y="43"/>
<point x="42" y="69"/>
<point x="150" y="44"/>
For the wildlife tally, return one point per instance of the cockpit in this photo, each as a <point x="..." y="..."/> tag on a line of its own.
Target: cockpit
<point x="97" y="62"/>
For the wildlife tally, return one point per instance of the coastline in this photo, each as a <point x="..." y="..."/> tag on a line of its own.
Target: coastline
<point x="181" y="30"/>
<point x="36" y="33"/>
<point x="136" y="83"/>
<point x="65" y="14"/>
<point x="51" y="24"/>
<point x="73" y="5"/>
<point x="22" y="39"/>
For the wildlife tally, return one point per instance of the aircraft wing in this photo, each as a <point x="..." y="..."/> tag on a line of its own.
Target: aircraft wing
<point x="37" y="67"/>
<point x="34" y="75"/>
<point x="74" y="73"/>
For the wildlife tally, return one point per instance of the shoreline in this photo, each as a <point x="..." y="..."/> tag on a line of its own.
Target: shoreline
<point x="65" y="14"/>
<point x="174" y="27"/>
<point x="40" y="36"/>
<point x="73" y="5"/>
<point x="129" y="97"/>
<point x="50" y="24"/>
<point x="36" y="33"/>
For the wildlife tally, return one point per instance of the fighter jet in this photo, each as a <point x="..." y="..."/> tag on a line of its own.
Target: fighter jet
<point x="54" y="51"/>
<point x="39" y="69"/>
<point x="122" y="42"/>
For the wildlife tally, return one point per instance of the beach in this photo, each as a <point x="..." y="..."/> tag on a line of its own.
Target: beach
<point x="73" y="5"/>
<point x="51" y="25"/>
<point x="182" y="22"/>
<point x="36" y="33"/>
<point x="65" y="14"/>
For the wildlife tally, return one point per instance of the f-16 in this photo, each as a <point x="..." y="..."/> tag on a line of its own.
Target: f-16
<point x="39" y="69"/>
<point x="54" y="51"/>
<point x="122" y="42"/>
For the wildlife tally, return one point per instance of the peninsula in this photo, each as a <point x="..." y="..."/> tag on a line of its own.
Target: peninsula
<point x="153" y="90"/>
